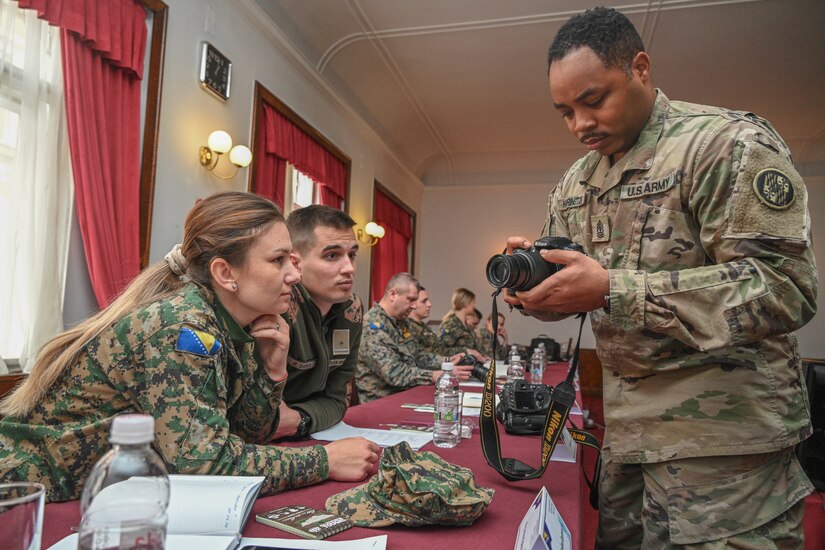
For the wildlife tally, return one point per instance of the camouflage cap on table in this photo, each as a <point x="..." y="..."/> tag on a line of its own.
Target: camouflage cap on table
<point x="413" y="489"/>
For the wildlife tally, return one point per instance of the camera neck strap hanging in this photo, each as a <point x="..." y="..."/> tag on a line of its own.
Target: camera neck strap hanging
<point x="564" y="396"/>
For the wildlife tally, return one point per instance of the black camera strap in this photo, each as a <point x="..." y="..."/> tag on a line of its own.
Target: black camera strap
<point x="564" y="396"/>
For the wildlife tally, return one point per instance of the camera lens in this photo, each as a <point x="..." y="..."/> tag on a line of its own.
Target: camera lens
<point x="522" y="270"/>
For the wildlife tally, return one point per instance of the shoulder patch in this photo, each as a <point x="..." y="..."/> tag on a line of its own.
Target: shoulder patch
<point x="376" y="326"/>
<point x="774" y="189"/>
<point x="197" y="342"/>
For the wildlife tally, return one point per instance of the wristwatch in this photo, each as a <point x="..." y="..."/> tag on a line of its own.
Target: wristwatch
<point x="304" y="424"/>
<point x="606" y="306"/>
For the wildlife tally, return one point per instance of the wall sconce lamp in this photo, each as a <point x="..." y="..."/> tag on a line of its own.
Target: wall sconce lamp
<point x="370" y="235"/>
<point x="220" y="142"/>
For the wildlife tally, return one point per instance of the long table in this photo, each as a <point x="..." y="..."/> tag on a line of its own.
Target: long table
<point x="498" y="526"/>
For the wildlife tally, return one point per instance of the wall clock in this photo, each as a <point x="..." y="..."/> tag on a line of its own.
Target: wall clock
<point x="216" y="71"/>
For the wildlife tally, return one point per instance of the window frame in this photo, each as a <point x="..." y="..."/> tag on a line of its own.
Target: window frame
<point x="264" y="96"/>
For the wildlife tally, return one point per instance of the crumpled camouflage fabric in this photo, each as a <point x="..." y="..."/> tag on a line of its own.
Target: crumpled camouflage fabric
<point x="213" y="412"/>
<point x="426" y="338"/>
<point x="390" y="360"/>
<point x="413" y="489"/>
<point x="710" y="273"/>
<point x="323" y="354"/>
<point x="456" y="337"/>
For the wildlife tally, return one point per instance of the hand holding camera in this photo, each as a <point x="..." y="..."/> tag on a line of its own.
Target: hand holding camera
<point x="552" y="274"/>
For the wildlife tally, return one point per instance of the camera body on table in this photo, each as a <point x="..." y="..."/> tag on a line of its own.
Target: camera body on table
<point x="523" y="407"/>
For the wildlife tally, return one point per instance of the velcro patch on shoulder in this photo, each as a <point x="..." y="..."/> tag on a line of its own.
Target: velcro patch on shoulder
<point x="769" y="199"/>
<point x="197" y="342"/>
<point x="376" y="326"/>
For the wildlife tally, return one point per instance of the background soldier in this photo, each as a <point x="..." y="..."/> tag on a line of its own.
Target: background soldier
<point x="390" y="359"/>
<point x="423" y="334"/>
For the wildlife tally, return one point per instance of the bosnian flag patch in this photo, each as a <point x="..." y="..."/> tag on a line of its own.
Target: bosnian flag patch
<point x="197" y="342"/>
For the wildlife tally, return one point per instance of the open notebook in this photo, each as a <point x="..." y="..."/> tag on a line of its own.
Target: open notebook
<point x="213" y="509"/>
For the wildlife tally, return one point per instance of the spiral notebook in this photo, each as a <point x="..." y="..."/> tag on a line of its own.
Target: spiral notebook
<point x="304" y="521"/>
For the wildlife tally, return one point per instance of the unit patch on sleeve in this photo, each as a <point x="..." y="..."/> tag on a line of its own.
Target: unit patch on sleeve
<point x="197" y="342"/>
<point x="774" y="189"/>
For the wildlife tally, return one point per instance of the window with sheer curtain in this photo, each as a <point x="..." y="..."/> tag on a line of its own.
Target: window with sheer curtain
<point x="302" y="191"/>
<point x="36" y="193"/>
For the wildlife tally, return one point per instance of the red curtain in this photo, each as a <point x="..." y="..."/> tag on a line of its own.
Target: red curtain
<point x="283" y="141"/>
<point x="103" y="47"/>
<point x="391" y="254"/>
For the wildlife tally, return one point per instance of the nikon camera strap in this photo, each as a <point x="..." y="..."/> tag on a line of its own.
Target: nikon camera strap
<point x="563" y="398"/>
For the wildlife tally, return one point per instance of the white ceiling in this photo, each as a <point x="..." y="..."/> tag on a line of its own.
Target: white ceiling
<point x="458" y="88"/>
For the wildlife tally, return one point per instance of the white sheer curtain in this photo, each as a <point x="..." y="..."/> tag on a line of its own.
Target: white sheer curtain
<point x="36" y="191"/>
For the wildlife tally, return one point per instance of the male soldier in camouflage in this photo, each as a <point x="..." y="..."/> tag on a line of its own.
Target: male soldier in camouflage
<point x="198" y="342"/>
<point x="324" y="317"/>
<point x="390" y="360"/>
<point x="485" y="338"/>
<point x="424" y="335"/>
<point x="698" y="268"/>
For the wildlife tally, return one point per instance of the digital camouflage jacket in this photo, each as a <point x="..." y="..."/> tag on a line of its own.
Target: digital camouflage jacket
<point x="390" y="359"/>
<point x="456" y="337"/>
<point x="323" y="355"/>
<point x="704" y="229"/>
<point x="186" y="362"/>
<point x="425" y="336"/>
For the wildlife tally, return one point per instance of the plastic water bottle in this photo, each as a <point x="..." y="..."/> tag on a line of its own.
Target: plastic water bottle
<point x="125" y="499"/>
<point x="447" y="432"/>
<point x="537" y="366"/>
<point x="513" y="353"/>
<point x="515" y="370"/>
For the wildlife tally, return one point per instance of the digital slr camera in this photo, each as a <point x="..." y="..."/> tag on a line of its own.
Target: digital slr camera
<point x="523" y="407"/>
<point x="524" y="269"/>
<point x="479" y="370"/>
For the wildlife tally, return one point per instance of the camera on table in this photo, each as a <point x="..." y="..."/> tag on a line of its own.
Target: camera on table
<point x="523" y="408"/>
<point x="524" y="269"/>
<point x="479" y="370"/>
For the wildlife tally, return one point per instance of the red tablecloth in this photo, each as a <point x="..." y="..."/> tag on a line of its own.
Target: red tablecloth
<point x="495" y="529"/>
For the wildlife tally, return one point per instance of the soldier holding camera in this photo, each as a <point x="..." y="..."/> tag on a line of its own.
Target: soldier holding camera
<point x="697" y="268"/>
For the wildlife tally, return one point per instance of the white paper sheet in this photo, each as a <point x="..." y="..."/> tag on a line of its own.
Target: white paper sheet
<point x="384" y="438"/>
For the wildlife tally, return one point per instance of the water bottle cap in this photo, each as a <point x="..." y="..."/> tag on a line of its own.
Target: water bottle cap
<point x="446" y="366"/>
<point x="133" y="429"/>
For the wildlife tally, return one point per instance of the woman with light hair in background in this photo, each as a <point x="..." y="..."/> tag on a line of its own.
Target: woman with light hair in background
<point x="197" y="341"/>
<point x="455" y="334"/>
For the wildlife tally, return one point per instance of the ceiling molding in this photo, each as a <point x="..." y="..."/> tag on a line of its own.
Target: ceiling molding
<point x="398" y="75"/>
<point x="643" y="7"/>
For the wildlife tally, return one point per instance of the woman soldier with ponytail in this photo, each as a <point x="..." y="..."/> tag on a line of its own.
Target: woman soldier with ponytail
<point x="198" y="342"/>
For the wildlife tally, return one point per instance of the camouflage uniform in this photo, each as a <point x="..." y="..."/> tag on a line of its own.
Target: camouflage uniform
<point x="485" y="341"/>
<point x="413" y="489"/>
<point x="390" y="360"/>
<point x="323" y="354"/>
<point x="424" y="335"/>
<point x="704" y="229"/>
<point x="456" y="337"/>
<point x="186" y="362"/>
